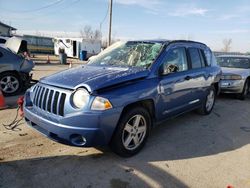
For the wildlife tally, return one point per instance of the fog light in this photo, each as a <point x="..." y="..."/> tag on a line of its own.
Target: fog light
<point x="78" y="140"/>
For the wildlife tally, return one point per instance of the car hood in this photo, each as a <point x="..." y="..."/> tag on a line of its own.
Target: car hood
<point x="242" y="72"/>
<point x="93" y="77"/>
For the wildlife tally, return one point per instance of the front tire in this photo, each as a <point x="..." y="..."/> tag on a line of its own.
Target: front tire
<point x="132" y="132"/>
<point x="245" y="91"/>
<point x="208" y="103"/>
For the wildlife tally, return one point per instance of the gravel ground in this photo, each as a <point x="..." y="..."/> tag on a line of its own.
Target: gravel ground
<point x="188" y="151"/>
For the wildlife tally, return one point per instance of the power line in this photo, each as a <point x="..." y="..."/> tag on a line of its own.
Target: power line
<point x="107" y="12"/>
<point x="104" y="18"/>
<point x="72" y="3"/>
<point x="37" y="9"/>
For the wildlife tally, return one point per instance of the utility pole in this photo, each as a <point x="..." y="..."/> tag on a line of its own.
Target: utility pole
<point x="110" y="21"/>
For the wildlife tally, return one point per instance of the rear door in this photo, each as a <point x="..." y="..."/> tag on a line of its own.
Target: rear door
<point x="199" y="74"/>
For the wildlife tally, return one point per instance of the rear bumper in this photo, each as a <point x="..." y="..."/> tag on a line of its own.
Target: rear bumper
<point x="231" y="86"/>
<point x="96" y="128"/>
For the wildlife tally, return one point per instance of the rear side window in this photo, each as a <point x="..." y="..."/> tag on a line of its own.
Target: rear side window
<point x="195" y="58"/>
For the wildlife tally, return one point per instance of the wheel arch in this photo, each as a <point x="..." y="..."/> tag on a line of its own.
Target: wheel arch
<point x="248" y="78"/>
<point x="148" y="104"/>
<point x="12" y="71"/>
<point x="217" y="87"/>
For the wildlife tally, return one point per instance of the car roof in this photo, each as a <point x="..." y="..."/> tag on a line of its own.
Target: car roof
<point x="236" y="56"/>
<point x="165" y="41"/>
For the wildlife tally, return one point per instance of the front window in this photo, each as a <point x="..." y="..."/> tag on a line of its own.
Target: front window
<point x="175" y="61"/>
<point x="234" y="62"/>
<point x="129" y="54"/>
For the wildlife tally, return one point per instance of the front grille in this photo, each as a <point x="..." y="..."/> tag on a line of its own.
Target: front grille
<point x="49" y="99"/>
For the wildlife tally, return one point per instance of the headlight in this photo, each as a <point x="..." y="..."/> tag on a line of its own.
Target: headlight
<point x="101" y="103"/>
<point x="231" y="77"/>
<point x="80" y="98"/>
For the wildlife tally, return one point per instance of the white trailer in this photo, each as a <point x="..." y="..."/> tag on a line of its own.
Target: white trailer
<point x="73" y="46"/>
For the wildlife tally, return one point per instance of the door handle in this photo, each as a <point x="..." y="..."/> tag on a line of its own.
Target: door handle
<point x="188" y="78"/>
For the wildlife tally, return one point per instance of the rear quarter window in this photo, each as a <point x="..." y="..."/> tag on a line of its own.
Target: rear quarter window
<point x="211" y="60"/>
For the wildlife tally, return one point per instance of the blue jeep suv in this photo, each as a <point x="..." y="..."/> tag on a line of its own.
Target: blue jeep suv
<point x="120" y="94"/>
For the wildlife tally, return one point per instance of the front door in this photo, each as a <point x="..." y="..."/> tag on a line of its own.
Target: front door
<point x="175" y="84"/>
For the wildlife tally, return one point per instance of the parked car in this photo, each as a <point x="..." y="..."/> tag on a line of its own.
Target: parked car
<point x="14" y="67"/>
<point x="236" y="74"/>
<point x="123" y="92"/>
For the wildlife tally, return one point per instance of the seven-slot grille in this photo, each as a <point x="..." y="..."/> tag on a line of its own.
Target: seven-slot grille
<point x="49" y="99"/>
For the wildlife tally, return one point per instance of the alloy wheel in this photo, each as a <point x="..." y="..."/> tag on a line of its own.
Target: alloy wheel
<point x="134" y="132"/>
<point x="210" y="100"/>
<point x="9" y="84"/>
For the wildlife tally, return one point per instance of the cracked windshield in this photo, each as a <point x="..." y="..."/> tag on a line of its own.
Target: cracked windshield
<point x="132" y="54"/>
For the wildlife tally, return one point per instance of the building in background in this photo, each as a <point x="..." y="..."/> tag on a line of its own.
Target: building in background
<point x="6" y="30"/>
<point x="39" y="44"/>
<point x="73" y="47"/>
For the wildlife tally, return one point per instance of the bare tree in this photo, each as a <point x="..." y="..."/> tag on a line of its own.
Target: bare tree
<point x="227" y="45"/>
<point x="87" y="32"/>
<point x="90" y="34"/>
<point x="97" y="34"/>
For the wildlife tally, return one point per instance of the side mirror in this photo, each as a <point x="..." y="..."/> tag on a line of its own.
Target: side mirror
<point x="161" y="70"/>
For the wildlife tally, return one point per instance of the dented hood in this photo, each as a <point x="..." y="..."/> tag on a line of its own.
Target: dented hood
<point x="16" y="45"/>
<point x="94" y="77"/>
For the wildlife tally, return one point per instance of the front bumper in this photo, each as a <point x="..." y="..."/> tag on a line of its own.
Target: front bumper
<point x="95" y="127"/>
<point x="231" y="86"/>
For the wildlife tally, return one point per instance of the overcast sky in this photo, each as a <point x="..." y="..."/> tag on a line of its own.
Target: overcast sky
<point x="208" y="21"/>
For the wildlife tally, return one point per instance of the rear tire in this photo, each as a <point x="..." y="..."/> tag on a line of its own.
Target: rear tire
<point x="10" y="83"/>
<point x="245" y="91"/>
<point x="208" y="103"/>
<point x="132" y="132"/>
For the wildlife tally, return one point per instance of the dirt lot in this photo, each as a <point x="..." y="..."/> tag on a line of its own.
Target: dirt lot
<point x="189" y="151"/>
